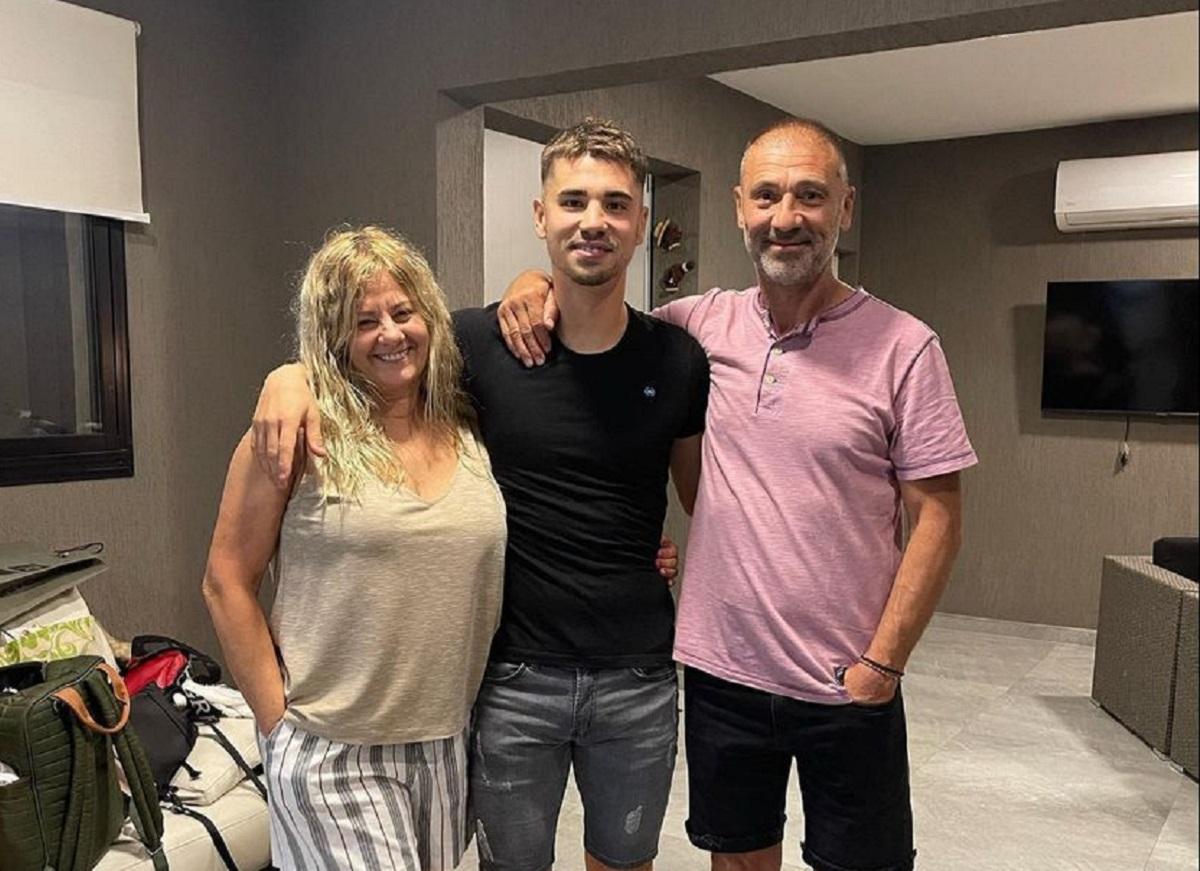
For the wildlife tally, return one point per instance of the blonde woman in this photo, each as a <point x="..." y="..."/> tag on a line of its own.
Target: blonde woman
<point x="388" y="555"/>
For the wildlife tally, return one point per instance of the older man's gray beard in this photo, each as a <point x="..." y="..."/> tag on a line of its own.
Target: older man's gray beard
<point x="793" y="271"/>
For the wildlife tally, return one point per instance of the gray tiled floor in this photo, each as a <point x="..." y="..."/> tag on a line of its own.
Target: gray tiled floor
<point x="1013" y="767"/>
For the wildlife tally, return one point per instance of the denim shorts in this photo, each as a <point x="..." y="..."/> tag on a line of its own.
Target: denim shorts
<point x="617" y="726"/>
<point x="853" y="766"/>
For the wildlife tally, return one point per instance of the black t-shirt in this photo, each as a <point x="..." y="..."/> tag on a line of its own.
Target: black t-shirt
<point x="581" y="449"/>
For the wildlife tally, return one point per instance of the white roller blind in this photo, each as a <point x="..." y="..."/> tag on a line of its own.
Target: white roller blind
<point x="68" y="110"/>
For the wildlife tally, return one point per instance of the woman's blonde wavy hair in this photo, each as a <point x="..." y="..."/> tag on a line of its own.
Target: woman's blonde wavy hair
<point x="357" y="447"/>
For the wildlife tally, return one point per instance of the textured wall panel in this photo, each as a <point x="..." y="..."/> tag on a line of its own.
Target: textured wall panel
<point x="542" y="51"/>
<point x="969" y="248"/>
<point x="208" y="290"/>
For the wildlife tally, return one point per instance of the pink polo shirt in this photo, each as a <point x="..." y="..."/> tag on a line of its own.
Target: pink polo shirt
<point x="796" y="536"/>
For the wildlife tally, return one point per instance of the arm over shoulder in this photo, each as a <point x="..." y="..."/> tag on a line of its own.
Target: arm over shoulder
<point x="682" y="312"/>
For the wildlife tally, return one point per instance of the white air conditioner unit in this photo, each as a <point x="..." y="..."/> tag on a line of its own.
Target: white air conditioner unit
<point x="1120" y="193"/>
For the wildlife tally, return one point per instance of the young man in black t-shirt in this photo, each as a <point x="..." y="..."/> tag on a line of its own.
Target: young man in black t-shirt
<point x="580" y="672"/>
<point x="581" y="448"/>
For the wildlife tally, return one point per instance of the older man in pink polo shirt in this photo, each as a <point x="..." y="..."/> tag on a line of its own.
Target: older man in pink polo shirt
<point x="830" y="412"/>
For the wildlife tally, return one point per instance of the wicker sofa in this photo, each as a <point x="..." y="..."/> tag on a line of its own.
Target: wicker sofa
<point x="1146" y="655"/>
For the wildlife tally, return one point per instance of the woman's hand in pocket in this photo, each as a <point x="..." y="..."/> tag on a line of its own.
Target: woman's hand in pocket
<point x="268" y="720"/>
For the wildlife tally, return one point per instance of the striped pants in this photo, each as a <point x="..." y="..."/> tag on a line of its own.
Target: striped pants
<point x="376" y="807"/>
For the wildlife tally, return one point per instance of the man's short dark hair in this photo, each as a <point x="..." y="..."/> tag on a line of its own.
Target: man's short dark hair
<point x="598" y="138"/>
<point x="811" y="127"/>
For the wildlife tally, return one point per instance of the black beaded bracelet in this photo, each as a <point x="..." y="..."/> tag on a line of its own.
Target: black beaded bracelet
<point x="880" y="667"/>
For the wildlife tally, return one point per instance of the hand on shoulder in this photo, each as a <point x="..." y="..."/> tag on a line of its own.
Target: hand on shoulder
<point x="286" y="408"/>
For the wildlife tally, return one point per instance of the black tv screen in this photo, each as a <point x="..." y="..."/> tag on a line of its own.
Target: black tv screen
<point x="1125" y="347"/>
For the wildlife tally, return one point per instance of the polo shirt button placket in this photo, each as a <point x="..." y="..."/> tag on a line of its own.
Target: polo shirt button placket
<point x="766" y="396"/>
<point x="770" y="396"/>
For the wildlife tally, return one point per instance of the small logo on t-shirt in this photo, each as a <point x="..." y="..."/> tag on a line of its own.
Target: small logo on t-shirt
<point x="649" y="392"/>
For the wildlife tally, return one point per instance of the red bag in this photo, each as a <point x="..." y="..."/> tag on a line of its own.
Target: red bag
<point x="167" y="663"/>
<point x="163" y="668"/>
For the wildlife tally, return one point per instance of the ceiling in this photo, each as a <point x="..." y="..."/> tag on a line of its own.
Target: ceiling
<point x="1024" y="81"/>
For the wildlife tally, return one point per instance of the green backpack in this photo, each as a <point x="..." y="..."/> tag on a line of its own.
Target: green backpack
<point x="59" y="724"/>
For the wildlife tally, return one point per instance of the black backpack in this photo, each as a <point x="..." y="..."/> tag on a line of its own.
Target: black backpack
<point x="168" y="720"/>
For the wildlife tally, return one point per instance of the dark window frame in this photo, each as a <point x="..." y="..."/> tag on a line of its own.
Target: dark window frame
<point x="88" y="456"/>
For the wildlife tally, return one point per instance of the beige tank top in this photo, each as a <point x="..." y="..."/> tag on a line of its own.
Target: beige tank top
<point x="386" y="605"/>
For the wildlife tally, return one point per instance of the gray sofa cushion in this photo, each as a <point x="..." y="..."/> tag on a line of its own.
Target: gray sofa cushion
<point x="1179" y="555"/>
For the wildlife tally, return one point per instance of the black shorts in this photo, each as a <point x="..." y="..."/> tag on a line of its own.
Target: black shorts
<point x="853" y="767"/>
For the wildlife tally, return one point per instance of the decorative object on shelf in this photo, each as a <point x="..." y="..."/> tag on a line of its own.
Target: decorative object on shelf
<point x="673" y="278"/>
<point x="667" y="234"/>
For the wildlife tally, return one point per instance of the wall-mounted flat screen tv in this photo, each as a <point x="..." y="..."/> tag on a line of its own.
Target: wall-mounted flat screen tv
<point x="1122" y="347"/>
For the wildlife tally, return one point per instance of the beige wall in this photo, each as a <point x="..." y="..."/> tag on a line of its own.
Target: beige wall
<point x="969" y="249"/>
<point x="207" y="305"/>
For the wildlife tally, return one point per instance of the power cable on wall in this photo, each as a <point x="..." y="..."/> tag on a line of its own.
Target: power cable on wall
<point x="1123" y="452"/>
